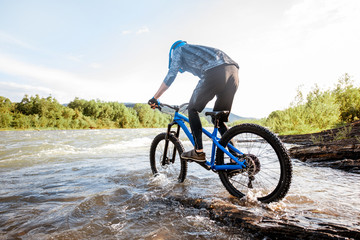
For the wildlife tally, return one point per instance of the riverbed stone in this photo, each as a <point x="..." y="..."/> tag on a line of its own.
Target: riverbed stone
<point x="261" y="227"/>
<point x="337" y="148"/>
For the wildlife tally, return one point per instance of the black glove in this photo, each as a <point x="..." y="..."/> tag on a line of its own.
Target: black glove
<point x="154" y="103"/>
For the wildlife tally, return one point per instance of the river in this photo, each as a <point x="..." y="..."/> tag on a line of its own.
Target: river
<point x="97" y="184"/>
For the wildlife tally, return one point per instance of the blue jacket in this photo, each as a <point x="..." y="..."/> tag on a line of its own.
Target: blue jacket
<point x="197" y="60"/>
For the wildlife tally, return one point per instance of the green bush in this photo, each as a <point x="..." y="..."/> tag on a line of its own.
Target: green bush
<point x="5" y="120"/>
<point x="348" y="98"/>
<point x="321" y="110"/>
<point x="21" y="121"/>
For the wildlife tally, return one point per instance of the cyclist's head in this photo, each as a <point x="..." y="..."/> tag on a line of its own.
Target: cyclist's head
<point x="173" y="47"/>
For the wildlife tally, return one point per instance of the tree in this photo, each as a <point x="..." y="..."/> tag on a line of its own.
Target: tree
<point x="348" y="98"/>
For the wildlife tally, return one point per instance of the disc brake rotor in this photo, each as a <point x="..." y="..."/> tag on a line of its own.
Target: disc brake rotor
<point x="252" y="164"/>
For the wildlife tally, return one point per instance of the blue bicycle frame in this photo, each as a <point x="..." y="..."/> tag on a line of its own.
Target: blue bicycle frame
<point x="180" y="120"/>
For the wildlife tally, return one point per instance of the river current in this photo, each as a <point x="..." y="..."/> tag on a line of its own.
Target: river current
<point x="97" y="184"/>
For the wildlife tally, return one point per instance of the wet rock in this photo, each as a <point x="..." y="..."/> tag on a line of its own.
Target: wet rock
<point x="343" y="135"/>
<point x="266" y="228"/>
<point x="337" y="148"/>
<point x="345" y="157"/>
<point x="346" y="164"/>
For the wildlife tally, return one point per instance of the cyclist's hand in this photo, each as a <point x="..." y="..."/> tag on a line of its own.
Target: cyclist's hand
<point x="154" y="103"/>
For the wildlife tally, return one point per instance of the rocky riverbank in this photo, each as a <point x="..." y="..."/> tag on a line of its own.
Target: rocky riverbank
<point x="262" y="227"/>
<point x="337" y="148"/>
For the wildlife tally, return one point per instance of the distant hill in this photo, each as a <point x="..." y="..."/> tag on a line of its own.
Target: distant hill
<point x="232" y="117"/>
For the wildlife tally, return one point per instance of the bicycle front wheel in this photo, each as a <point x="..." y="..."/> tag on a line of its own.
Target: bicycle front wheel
<point x="173" y="167"/>
<point x="268" y="167"/>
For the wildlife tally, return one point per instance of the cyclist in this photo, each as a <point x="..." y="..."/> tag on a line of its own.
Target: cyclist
<point x="218" y="75"/>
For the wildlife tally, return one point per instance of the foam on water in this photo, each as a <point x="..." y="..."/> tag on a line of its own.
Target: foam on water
<point x="21" y="152"/>
<point x="130" y="145"/>
<point x="160" y="180"/>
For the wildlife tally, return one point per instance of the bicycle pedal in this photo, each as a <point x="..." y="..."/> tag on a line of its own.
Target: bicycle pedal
<point x="204" y="165"/>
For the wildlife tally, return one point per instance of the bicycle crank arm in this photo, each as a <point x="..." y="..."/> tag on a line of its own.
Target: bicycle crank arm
<point x="204" y="165"/>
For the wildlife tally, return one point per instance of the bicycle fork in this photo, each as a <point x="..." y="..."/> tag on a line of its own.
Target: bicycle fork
<point x="165" y="159"/>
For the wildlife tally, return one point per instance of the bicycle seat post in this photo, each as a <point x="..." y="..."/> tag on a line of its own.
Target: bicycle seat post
<point x="216" y="122"/>
<point x="218" y="116"/>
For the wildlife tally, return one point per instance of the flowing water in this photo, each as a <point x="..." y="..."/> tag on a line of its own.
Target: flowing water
<point x="97" y="184"/>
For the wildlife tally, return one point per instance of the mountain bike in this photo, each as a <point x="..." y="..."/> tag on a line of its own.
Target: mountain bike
<point x="248" y="157"/>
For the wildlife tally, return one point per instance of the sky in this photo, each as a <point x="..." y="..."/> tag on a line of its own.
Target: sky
<point x="115" y="50"/>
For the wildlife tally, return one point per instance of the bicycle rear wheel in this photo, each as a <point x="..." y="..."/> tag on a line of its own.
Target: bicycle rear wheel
<point x="268" y="171"/>
<point x="173" y="167"/>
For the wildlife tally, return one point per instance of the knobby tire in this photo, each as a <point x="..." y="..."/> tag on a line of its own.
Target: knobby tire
<point x="274" y="170"/>
<point x="177" y="169"/>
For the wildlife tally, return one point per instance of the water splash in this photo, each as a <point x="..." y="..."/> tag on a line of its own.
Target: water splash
<point x="86" y="184"/>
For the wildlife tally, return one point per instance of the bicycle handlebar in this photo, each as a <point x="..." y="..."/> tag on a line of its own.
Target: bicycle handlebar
<point x="174" y="107"/>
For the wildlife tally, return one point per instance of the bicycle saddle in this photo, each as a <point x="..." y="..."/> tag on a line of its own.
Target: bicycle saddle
<point x="219" y="115"/>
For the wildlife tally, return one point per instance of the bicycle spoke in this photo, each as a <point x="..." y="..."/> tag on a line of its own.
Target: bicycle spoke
<point x="263" y="155"/>
<point x="170" y="168"/>
<point x="267" y="170"/>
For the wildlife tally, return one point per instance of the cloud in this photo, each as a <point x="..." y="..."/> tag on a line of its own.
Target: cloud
<point x="96" y="65"/>
<point x="35" y="79"/>
<point x="7" y="38"/>
<point x="57" y="77"/>
<point x="16" y="91"/>
<point x="126" y="32"/>
<point x="143" y="30"/>
<point x="315" y="14"/>
<point x="75" y="58"/>
<point x="313" y="26"/>
<point x="307" y="12"/>
<point x="26" y="88"/>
